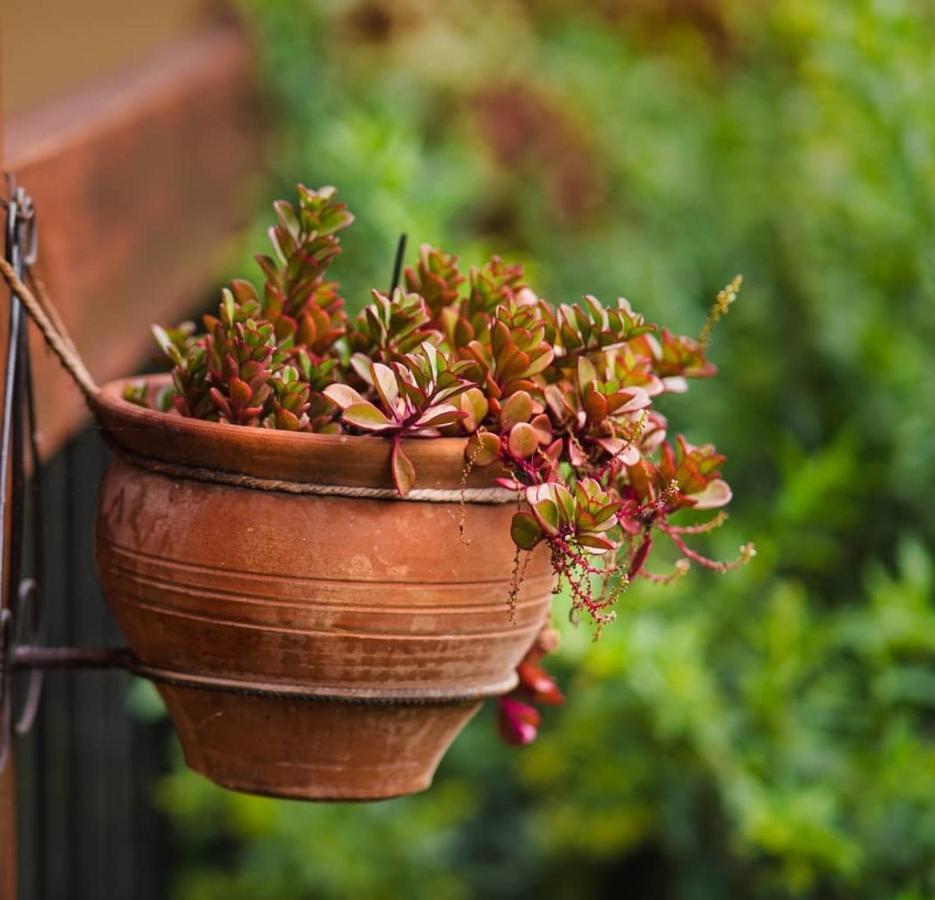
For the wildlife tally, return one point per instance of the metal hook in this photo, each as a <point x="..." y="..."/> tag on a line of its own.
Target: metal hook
<point x="17" y="433"/>
<point x="22" y="229"/>
<point x="31" y="242"/>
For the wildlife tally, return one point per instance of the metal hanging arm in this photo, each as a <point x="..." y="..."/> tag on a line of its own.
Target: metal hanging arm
<point x="45" y="658"/>
<point x="21" y="608"/>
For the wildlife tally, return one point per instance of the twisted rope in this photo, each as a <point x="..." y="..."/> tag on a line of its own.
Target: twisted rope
<point x="43" y="313"/>
<point x="491" y="495"/>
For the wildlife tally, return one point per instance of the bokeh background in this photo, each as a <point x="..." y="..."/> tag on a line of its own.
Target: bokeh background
<point x="767" y="734"/>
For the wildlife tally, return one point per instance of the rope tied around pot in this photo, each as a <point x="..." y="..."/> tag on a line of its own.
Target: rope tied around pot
<point x="491" y="495"/>
<point x="43" y="312"/>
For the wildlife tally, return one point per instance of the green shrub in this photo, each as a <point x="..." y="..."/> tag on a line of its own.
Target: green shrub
<point x="764" y="736"/>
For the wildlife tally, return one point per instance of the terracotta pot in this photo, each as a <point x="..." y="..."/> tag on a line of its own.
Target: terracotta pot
<point x="308" y="646"/>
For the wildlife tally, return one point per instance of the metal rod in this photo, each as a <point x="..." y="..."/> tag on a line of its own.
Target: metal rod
<point x="10" y="474"/>
<point x="398" y="262"/>
<point x="35" y="657"/>
<point x="8" y="407"/>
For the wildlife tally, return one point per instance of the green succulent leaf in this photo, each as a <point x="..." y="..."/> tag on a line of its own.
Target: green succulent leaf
<point x="404" y="473"/>
<point x="343" y="395"/>
<point x="475" y="407"/>
<point x="547" y="516"/>
<point x="365" y="415"/>
<point x="444" y="414"/>
<point x="516" y="409"/>
<point x="385" y="383"/>
<point x="525" y="531"/>
<point x="523" y="440"/>
<point x="483" y="448"/>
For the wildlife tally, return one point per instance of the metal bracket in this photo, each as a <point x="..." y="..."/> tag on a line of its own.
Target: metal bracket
<point x="21" y="598"/>
<point x="20" y="602"/>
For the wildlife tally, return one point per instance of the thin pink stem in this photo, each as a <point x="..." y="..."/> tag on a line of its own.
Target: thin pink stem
<point x="697" y="557"/>
<point x="701" y="528"/>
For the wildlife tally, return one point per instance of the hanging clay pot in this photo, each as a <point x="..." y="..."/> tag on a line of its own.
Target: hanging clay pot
<point x="306" y="645"/>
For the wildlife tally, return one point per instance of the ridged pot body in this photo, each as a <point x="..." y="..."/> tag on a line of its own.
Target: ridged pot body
<point x="309" y="646"/>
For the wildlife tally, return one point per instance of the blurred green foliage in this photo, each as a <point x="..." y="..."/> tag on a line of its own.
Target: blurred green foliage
<point x="767" y="734"/>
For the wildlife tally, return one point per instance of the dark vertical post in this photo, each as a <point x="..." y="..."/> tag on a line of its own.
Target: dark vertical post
<point x="8" y="887"/>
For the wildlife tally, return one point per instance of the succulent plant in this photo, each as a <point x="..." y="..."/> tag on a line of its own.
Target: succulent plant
<point x="414" y="398"/>
<point x="264" y="359"/>
<point x="298" y="298"/>
<point x="436" y="279"/>
<point x="561" y="397"/>
<point x="388" y="327"/>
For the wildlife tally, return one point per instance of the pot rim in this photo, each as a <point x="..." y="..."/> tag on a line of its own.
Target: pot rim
<point x="325" y="459"/>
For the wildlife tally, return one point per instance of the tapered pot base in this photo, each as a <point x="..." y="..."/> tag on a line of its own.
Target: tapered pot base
<point x="313" y="749"/>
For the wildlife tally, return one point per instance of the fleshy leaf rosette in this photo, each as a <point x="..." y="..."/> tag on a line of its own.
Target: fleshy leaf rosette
<point x="414" y="397"/>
